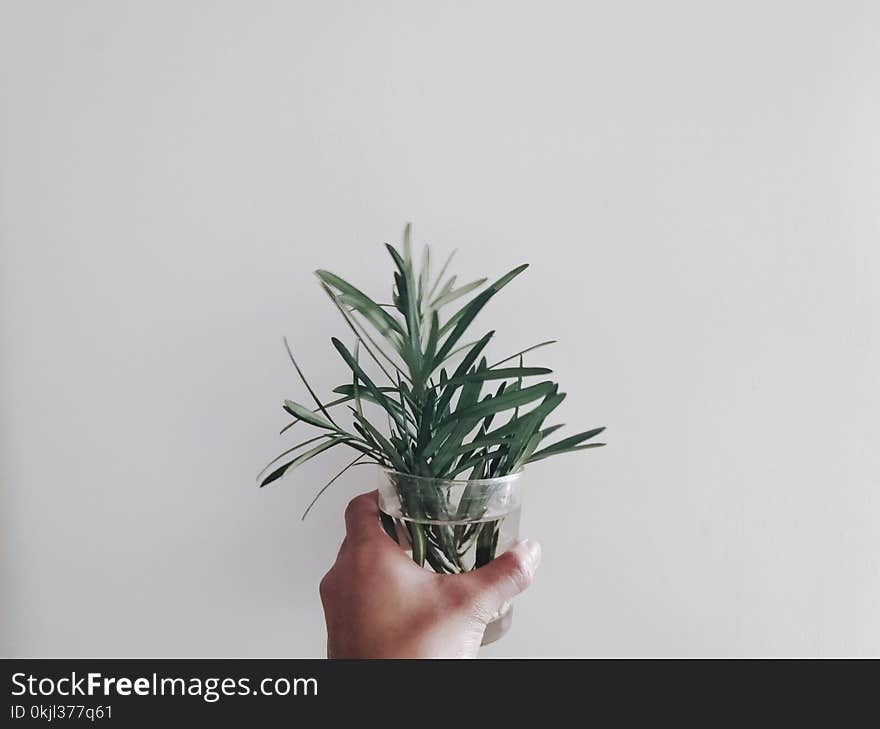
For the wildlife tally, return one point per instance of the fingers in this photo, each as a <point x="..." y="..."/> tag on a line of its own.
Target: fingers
<point x="362" y="518"/>
<point x="503" y="578"/>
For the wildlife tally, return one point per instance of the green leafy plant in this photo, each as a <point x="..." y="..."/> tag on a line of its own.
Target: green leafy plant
<point x="428" y="386"/>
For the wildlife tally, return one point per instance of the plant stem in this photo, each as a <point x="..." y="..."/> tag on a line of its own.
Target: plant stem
<point x="419" y="542"/>
<point x="388" y="525"/>
<point x="487" y="542"/>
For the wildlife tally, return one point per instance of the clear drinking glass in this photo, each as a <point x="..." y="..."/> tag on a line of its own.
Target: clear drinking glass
<point x="453" y="526"/>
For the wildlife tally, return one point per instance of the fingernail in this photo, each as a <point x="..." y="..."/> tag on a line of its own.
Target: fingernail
<point x="533" y="549"/>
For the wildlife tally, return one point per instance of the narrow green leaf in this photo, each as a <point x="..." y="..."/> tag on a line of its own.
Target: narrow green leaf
<point x="348" y="389"/>
<point x="529" y="426"/>
<point x="427" y="420"/>
<point x="366" y="395"/>
<point x="507" y="401"/>
<point x="299" y="460"/>
<point x="430" y="351"/>
<point x="487" y="421"/>
<point x="552" y="429"/>
<point x="543" y="454"/>
<point x="524" y="351"/>
<point x="488" y="293"/>
<point x="371" y="311"/>
<point x="362" y="333"/>
<point x="424" y="275"/>
<point x="447" y="287"/>
<point x="408" y="305"/>
<point x="328" y="485"/>
<point x="508" y="373"/>
<point x="303" y="413"/>
<point x="527" y="451"/>
<point x="567" y="443"/>
<point x="407" y="244"/>
<point x="355" y="390"/>
<point x="306" y="383"/>
<point x="461" y="370"/>
<point x="291" y="450"/>
<point x="450" y="296"/>
<point x="371" y="386"/>
<point x="382" y="441"/>
<point x="518" y="386"/>
<point x="441" y="274"/>
<point x="456" y="351"/>
<point x="486" y="441"/>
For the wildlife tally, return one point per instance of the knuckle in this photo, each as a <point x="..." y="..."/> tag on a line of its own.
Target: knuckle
<point x="459" y="599"/>
<point x="519" y="573"/>
<point x="463" y="599"/>
<point x="358" y="507"/>
<point x="354" y="506"/>
<point x="326" y="587"/>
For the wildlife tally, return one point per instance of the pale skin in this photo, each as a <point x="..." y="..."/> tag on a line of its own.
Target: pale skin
<point x="379" y="604"/>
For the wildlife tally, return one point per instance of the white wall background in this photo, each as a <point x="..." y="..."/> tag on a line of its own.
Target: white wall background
<point x="695" y="185"/>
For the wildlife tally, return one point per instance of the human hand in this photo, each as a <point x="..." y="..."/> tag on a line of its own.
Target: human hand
<point x="378" y="603"/>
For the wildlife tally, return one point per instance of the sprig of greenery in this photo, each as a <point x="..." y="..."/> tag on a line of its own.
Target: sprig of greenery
<point x="439" y="421"/>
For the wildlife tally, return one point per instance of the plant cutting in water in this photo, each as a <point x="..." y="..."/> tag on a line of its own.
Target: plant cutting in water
<point x="437" y="433"/>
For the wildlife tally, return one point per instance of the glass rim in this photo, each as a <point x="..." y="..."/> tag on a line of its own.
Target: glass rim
<point x="455" y="481"/>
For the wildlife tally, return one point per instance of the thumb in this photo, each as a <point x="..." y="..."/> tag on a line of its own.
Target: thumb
<point x="504" y="577"/>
